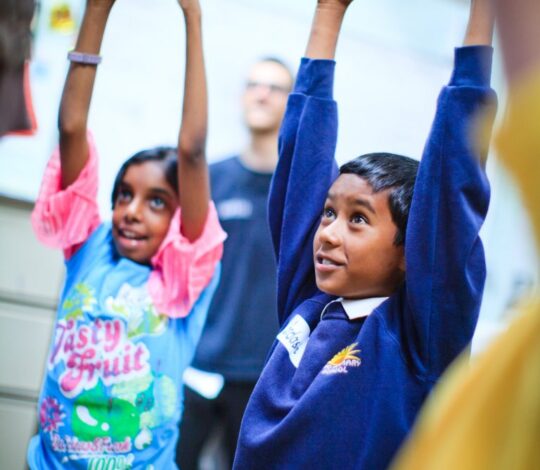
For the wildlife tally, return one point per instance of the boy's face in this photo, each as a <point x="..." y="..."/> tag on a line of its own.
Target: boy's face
<point x="142" y="211"/>
<point x="353" y="249"/>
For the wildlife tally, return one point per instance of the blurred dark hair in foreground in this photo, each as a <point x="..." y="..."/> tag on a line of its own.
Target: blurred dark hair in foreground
<point x="16" y="113"/>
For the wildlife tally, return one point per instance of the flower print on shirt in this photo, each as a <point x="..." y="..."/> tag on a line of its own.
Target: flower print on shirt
<point x="165" y="401"/>
<point x="81" y="301"/>
<point x="51" y="414"/>
<point x="135" y="306"/>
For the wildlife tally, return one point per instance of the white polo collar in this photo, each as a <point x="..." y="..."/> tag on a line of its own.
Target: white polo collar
<point x="359" y="308"/>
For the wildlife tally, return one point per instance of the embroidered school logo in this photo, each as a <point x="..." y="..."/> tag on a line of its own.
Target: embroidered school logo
<point x="341" y="362"/>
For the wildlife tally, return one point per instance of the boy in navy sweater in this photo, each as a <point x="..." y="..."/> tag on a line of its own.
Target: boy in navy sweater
<point x="379" y="288"/>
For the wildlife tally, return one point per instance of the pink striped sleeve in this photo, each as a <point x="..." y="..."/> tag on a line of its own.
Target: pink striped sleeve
<point x="66" y="218"/>
<point x="183" y="269"/>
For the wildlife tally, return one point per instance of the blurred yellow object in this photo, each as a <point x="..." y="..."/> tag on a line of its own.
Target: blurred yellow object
<point x="486" y="415"/>
<point x="61" y="18"/>
<point x="519" y="143"/>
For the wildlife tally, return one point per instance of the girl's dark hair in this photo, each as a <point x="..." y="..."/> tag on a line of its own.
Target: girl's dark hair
<point x="167" y="155"/>
<point x="388" y="171"/>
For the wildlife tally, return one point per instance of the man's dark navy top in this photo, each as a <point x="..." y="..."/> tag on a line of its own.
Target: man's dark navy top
<point x="242" y="323"/>
<point x="340" y="393"/>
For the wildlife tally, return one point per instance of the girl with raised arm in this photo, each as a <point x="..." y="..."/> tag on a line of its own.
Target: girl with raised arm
<point x="137" y="289"/>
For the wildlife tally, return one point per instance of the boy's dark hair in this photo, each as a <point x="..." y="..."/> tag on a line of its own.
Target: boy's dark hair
<point x="388" y="171"/>
<point x="167" y="155"/>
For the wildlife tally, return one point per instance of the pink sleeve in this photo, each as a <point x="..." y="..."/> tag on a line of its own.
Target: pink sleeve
<point x="183" y="269"/>
<point x="66" y="218"/>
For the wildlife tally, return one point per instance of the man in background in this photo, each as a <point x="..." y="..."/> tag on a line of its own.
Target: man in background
<point x="242" y="320"/>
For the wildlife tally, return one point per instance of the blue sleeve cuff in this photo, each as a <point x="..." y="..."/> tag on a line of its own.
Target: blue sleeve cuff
<point x="316" y="78"/>
<point x="472" y="66"/>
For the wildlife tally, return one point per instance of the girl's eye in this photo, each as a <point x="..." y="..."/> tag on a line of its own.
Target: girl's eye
<point x="157" y="203"/>
<point x="358" y="219"/>
<point x="124" y="195"/>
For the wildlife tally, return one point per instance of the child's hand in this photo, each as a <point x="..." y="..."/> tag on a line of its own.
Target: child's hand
<point x="193" y="182"/>
<point x="108" y="4"/>
<point x="325" y="28"/>
<point x="341" y="3"/>
<point x="77" y="94"/>
<point x="190" y="6"/>
<point x="481" y="23"/>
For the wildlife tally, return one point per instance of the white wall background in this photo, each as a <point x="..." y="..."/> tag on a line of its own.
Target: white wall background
<point x="393" y="58"/>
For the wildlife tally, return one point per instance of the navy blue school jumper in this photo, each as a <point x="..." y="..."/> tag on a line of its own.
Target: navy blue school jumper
<point x="341" y="392"/>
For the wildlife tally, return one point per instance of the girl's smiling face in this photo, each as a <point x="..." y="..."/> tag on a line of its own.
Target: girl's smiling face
<point x="142" y="212"/>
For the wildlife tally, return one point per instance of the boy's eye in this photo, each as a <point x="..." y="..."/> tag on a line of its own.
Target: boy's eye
<point x="358" y="219"/>
<point x="157" y="203"/>
<point x="328" y="213"/>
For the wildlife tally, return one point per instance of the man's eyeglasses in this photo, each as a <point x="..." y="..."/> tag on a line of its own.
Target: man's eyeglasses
<point x="272" y="87"/>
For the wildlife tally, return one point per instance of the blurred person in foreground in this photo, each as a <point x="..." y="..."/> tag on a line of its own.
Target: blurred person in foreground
<point x="487" y="415"/>
<point x="16" y="112"/>
<point x="242" y="320"/>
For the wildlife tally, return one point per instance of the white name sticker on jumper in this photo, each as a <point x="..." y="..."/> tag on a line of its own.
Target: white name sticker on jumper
<point x="295" y="337"/>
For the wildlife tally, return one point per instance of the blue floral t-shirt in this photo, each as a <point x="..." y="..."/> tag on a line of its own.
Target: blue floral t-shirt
<point x="112" y="392"/>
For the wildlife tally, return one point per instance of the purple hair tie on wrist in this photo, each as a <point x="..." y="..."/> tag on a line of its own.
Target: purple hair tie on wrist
<point x="84" y="58"/>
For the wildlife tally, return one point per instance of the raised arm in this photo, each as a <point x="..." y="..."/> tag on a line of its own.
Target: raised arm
<point x="306" y="166"/>
<point x="194" y="191"/>
<point x="481" y="23"/>
<point x="480" y="33"/>
<point x="445" y="261"/>
<point x="325" y="28"/>
<point x="77" y="94"/>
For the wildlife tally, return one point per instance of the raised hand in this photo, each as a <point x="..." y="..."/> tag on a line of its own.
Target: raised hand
<point x="325" y="28"/>
<point x="481" y="23"/>
<point x="75" y="104"/>
<point x="190" y="6"/>
<point x="194" y="192"/>
<point x="342" y="3"/>
<point x="105" y="4"/>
